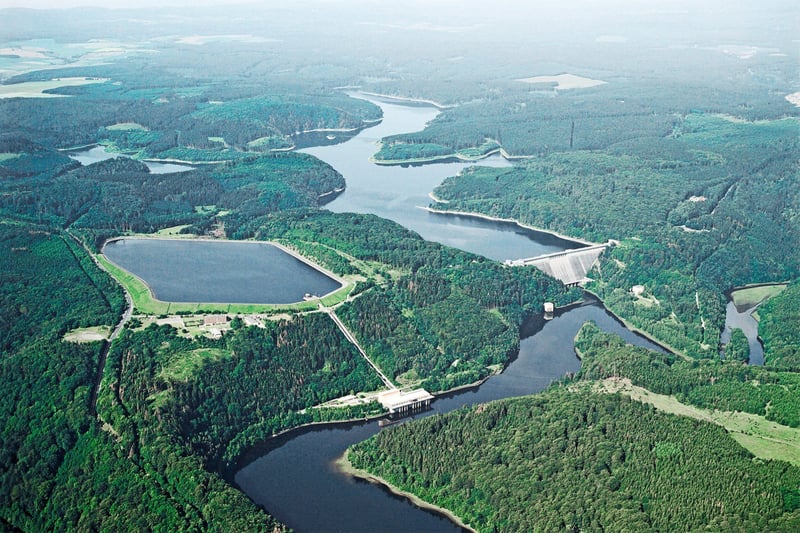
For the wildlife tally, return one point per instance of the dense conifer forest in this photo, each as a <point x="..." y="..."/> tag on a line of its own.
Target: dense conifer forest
<point x="710" y="209"/>
<point x="583" y="461"/>
<point x="779" y="327"/>
<point x="680" y="148"/>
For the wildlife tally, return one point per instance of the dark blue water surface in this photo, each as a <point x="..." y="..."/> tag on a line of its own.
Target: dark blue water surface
<point x="294" y="477"/>
<point x="219" y="271"/>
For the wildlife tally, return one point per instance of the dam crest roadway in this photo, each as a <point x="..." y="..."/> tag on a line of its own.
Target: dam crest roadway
<point x="569" y="266"/>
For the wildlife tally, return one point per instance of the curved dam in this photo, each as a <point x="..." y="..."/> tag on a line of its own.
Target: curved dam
<point x="570" y="266"/>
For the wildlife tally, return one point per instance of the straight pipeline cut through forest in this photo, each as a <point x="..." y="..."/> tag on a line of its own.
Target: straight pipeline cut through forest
<point x="350" y="337"/>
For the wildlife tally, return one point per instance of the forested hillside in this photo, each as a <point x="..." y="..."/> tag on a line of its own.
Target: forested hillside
<point x="115" y="196"/>
<point x="533" y="463"/>
<point x="152" y="117"/>
<point x="583" y="461"/>
<point x="428" y="314"/>
<point x="698" y="212"/>
<point x="62" y="469"/>
<point x="779" y="327"/>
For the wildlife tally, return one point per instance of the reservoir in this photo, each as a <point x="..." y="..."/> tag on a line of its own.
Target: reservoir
<point x="98" y="153"/>
<point x="294" y="476"/>
<point x="219" y="271"/>
<point x="400" y="192"/>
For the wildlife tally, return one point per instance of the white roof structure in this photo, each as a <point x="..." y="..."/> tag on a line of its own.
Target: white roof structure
<point x="397" y="400"/>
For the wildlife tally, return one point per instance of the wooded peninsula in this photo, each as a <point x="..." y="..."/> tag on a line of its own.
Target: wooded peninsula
<point x="682" y="153"/>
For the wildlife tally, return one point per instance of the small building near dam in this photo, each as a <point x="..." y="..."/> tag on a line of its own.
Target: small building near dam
<point x="400" y="402"/>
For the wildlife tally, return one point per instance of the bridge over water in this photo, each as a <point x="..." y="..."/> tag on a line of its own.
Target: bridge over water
<point x="569" y="266"/>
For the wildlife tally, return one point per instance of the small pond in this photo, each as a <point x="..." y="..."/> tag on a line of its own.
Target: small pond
<point x="744" y="320"/>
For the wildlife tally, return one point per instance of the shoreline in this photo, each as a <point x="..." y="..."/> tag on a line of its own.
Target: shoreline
<point x="234" y="465"/>
<point x="433" y="103"/>
<point x="343" y="283"/>
<point x="144" y="159"/>
<point x="364" y="124"/>
<point x="309" y="262"/>
<point x="433" y="159"/>
<point x="635" y="329"/>
<point x="337" y="190"/>
<point x="455" y="155"/>
<point x="507" y="220"/>
<point x="510" y="157"/>
<point x="180" y="161"/>
<point x="344" y="466"/>
<point x="437" y="200"/>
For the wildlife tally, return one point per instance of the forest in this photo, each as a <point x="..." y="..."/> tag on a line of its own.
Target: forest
<point x="62" y="468"/>
<point x="779" y="328"/>
<point x="153" y="118"/>
<point x="696" y="213"/>
<point x="429" y="314"/>
<point x="686" y="156"/>
<point x="533" y="463"/>
<point x="122" y="195"/>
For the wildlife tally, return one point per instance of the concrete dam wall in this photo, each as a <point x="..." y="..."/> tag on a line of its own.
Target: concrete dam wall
<point x="570" y="267"/>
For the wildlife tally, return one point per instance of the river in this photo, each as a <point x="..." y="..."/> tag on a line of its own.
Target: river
<point x="743" y="319"/>
<point x="294" y="476"/>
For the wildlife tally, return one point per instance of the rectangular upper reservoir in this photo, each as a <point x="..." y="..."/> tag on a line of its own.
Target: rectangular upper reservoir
<point x="205" y="271"/>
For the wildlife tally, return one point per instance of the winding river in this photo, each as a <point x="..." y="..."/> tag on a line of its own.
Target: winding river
<point x="400" y="192"/>
<point x="294" y="476"/>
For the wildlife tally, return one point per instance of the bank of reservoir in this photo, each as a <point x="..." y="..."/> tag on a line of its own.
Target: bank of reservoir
<point x="295" y="477"/>
<point x="98" y="153"/>
<point x="235" y="272"/>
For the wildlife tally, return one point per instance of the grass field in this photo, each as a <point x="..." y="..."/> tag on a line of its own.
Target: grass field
<point x="750" y="296"/>
<point x="763" y="438"/>
<point x="188" y="364"/>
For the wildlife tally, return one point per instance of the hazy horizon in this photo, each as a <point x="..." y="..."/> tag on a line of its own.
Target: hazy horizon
<point x="115" y="4"/>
